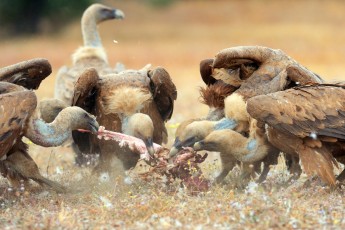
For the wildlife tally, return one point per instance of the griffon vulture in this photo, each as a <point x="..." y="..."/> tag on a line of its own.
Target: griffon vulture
<point x="92" y="54"/>
<point x="135" y="102"/>
<point x="20" y="117"/>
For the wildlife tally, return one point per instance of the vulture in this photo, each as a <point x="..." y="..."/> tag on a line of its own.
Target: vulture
<point x="250" y="71"/>
<point x="306" y="121"/>
<point x="20" y="117"/>
<point x="199" y="130"/>
<point x="134" y="102"/>
<point x="92" y="54"/>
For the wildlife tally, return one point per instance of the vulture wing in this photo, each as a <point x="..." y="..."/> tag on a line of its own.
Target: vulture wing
<point x="85" y="93"/>
<point x="302" y="76"/>
<point x="28" y="74"/>
<point x="303" y="111"/>
<point x="16" y="106"/>
<point x="260" y="70"/>
<point x="206" y="71"/>
<point x="164" y="92"/>
<point x="85" y="90"/>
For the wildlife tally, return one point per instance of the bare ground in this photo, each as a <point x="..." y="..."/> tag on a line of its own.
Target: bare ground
<point x="177" y="38"/>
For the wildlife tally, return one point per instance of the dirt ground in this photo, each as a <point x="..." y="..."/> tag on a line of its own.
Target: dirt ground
<point x="178" y="37"/>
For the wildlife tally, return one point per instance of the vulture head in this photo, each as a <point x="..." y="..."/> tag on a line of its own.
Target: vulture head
<point x="196" y="131"/>
<point x="99" y="13"/>
<point x="93" y="15"/>
<point x="140" y="125"/>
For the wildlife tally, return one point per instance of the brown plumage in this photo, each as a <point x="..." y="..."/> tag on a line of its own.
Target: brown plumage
<point x="20" y="117"/>
<point x="255" y="70"/>
<point x="193" y="131"/>
<point x="213" y="96"/>
<point x="115" y="99"/>
<point x="307" y="121"/>
<point x="17" y="105"/>
<point x="92" y="54"/>
<point x="28" y="74"/>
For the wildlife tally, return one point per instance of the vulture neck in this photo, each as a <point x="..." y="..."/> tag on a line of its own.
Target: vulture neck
<point x="125" y="125"/>
<point x="214" y="114"/>
<point x="89" y="30"/>
<point x="243" y="149"/>
<point x="247" y="149"/>
<point x="54" y="133"/>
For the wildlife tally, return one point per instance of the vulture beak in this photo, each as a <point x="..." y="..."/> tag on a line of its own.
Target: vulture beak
<point x="93" y="126"/>
<point x="175" y="148"/>
<point x="118" y="14"/>
<point x="199" y="146"/>
<point x="149" y="146"/>
<point x="173" y="152"/>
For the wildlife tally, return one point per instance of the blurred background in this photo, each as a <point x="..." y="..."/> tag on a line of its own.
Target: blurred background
<point x="177" y="34"/>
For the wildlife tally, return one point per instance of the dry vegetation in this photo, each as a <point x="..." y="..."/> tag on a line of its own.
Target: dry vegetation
<point x="177" y="38"/>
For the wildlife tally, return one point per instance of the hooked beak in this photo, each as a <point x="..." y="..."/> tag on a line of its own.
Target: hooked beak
<point x="93" y="126"/>
<point x="173" y="152"/>
<point x="199" y="146"/>
<point x="175" y="148"/>
<point x="118" y="14"/>
<point x="149" y="146"/>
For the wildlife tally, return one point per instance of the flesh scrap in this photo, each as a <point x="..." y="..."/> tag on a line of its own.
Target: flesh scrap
<point x="184" y="166"/>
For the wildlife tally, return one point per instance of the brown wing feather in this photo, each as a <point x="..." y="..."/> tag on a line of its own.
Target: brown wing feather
<point x="318" y="162"/>
<point x="301" y="111"/>
<point x="16" y="106"/>
<point x="164" y="92"/>
<point x="85" y="90"/>
<point x="262" y="70"/>
<point x="85" y="95"/>
<point x="28" y="74"/>
<point x="206" y="71"/>
<point x="302" y="75"/>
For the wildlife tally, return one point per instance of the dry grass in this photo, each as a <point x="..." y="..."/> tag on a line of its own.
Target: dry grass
<point x="177" y="38"/>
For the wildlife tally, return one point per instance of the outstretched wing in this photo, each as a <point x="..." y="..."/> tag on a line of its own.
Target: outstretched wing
<point x="28" y="74"/>
<point x="16" y="106"/>
<point x="85" y="93"/>
<point x="303" y="111"/>
<point x="164" y="91"/>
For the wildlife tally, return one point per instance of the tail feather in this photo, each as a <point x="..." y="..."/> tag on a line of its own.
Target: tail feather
<point x="51" y="184"/>
<point x="319" y="161"/>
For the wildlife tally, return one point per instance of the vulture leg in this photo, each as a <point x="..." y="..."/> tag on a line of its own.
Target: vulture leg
<point x="228" y="163"/>
<point x="26" y="168"/>
<point x="8" y="171"/>
<point x="292" y="163"/>
<point x="264" y="173"/>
